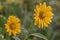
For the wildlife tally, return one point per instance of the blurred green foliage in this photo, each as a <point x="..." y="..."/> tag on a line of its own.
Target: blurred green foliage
<point x="24" y="9"/>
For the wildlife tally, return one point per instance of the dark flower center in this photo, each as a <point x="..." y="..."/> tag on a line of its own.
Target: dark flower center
<point x="41" y="15"/>
<point x="12" y="26"/>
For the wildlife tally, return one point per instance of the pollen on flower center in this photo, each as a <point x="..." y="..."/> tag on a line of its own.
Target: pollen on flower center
<point x="41" y="15"/>
<point x="12" y="26"/>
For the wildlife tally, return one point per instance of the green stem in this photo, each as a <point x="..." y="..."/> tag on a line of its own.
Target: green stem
<point x="28" y="31"/>
<point x="12" y="38"/>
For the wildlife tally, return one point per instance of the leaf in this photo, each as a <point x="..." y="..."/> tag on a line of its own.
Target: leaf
<point x="39" y="35"/>
<point x="16" y="38"/>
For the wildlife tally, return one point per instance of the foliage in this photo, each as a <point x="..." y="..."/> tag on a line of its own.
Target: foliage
<point x="24" y="10"/>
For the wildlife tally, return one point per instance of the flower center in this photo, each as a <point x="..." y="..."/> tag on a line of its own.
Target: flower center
<point x="41" y="15"/>
<point x="12" y="26"/>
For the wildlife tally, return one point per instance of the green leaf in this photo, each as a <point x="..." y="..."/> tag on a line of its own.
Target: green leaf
<point x="16" y="38"/>
<point x="39" y="35"/>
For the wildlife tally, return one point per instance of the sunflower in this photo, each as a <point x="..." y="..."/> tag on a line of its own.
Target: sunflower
<point x="13" y="26"/>
<point x="43" y="15"/>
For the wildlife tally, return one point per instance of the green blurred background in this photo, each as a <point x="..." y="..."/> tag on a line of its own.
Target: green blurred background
<point x="24" y="9"/>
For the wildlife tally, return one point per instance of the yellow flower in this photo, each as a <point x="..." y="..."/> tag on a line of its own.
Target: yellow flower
<point x="13" y="26"/>
<point x="43" y="15"/>
<point x="1" y="7"/>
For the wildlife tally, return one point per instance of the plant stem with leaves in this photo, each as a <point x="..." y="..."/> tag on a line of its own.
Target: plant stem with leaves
<point x="29" y="29"/>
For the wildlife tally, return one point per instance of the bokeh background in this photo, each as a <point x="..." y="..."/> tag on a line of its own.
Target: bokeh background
<point x="24" y="9"/>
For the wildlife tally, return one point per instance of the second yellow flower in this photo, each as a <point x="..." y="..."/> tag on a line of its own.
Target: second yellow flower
<point x="43" y="15"/>
<point x="13" y="26"/>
